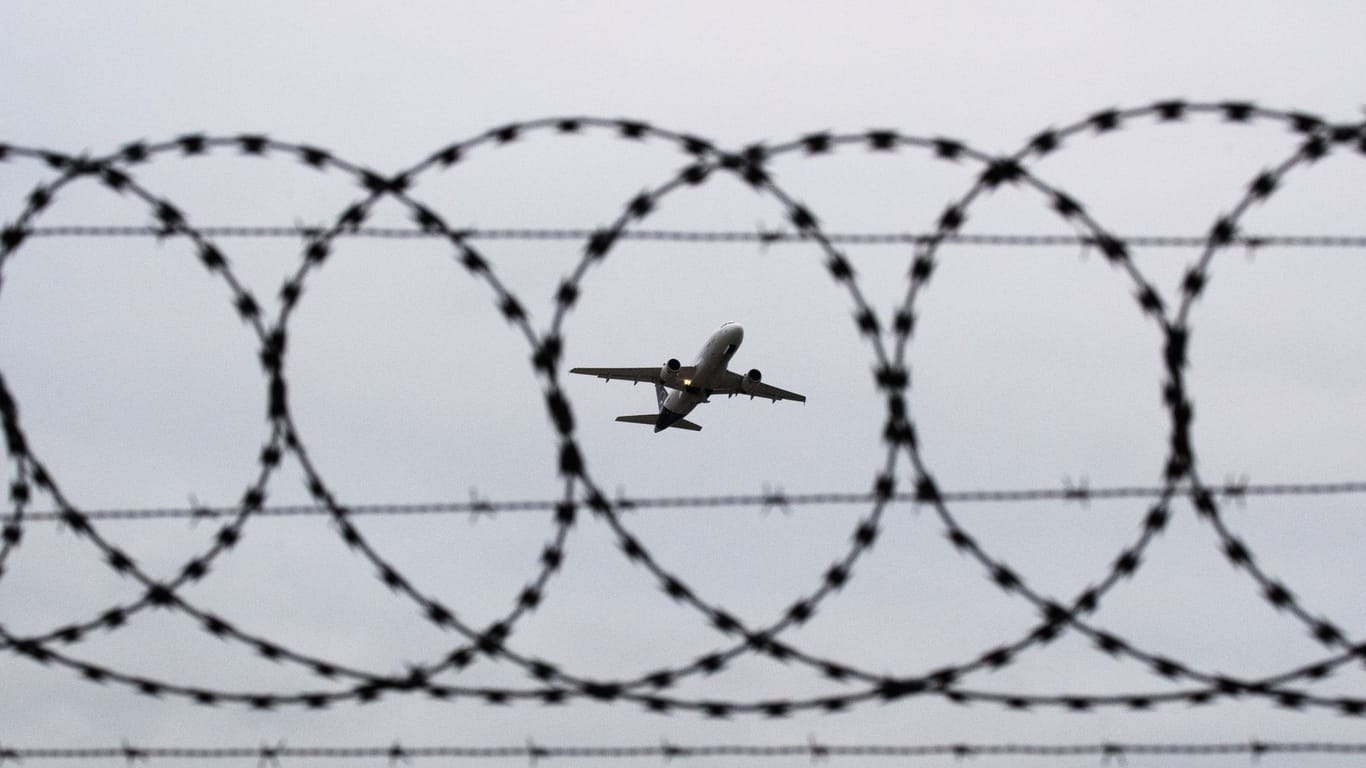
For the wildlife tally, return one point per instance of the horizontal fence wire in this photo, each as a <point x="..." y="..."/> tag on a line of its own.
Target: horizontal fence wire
<point x="272" y="755"/>
<point x="763" y="237"/>
<point x="769" y="499"/>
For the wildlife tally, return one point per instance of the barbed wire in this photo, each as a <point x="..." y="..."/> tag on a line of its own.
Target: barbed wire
<point x="888" y="340"/>
<point x="761" y="236"/>
<point x="770" y="499"/>
<point x="667" y="750"/>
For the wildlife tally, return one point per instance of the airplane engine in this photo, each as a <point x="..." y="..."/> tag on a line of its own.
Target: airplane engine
<point x="749" y="383"/>
<point x="669" y="372"/>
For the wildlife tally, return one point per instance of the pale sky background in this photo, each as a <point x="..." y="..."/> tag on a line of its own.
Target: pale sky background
<point x="1031" y="367"/>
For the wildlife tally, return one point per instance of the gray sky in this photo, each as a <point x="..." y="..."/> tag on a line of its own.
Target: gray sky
<point x="138" y="385"/>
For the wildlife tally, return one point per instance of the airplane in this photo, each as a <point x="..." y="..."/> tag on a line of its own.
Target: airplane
<point x="694" y="384"/>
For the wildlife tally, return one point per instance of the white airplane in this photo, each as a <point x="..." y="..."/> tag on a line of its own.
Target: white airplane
<point x="694" y="384"/>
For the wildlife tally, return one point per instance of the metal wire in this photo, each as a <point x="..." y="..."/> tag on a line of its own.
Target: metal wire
<point x="669" y="751"/>
<point x="888" y="338"/>
<point x="763" y="237"/>
<point x="766" y="500"/>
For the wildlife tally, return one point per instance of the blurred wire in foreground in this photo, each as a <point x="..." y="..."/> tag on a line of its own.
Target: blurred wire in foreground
<point x="667" y="751"/>
<point x="761" y="236"/>
<point x="886" y="335"/>
<point x="768" y="500"/>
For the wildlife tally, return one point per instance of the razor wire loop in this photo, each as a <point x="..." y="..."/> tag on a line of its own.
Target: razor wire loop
<point x="1259" y="190"/>
<point x="720" y="709"/>
<point x="555" y="400"/>
<point x="272" y="351"/>
<point x="748" y="165"/>
<point x="197" y="567"/>
<point x="1008" y="169"/>
<point x="571" y="462"/>
<point x="1002" y="171"/>
<point x="545" y="362"/>
<point x="1003" y="576"/>
<point x="1318" y="140"/>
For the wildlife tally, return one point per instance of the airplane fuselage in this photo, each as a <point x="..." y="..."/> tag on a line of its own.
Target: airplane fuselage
<point x="681" y="388"/>
<point x="711" y="364"/>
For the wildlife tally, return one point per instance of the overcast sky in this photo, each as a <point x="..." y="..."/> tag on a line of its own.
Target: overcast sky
<point x="138" y="386"/>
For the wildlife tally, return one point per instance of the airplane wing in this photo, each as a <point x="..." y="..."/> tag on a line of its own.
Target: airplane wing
<point x="730" y="385"/>
<point x="638" y="375"/>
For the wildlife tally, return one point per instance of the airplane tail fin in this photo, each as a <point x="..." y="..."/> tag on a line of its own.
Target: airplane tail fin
<point x="651" y="418"/>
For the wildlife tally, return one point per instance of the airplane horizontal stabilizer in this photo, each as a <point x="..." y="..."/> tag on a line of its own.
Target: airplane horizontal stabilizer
<point x="651" y="418"/>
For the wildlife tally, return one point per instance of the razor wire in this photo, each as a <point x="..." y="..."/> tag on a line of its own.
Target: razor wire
<point x="887" y="338"/>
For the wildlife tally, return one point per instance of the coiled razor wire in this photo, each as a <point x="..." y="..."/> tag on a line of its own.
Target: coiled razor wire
<point x="887" y="338"/>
